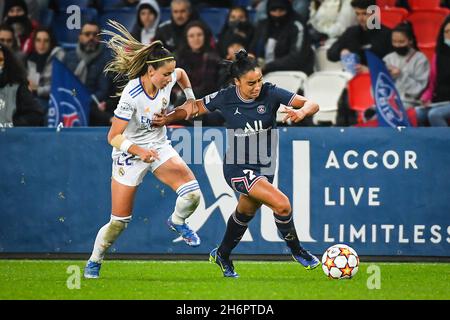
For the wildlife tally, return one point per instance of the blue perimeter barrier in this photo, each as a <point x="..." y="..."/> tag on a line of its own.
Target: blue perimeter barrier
<point x="381" y="191"/>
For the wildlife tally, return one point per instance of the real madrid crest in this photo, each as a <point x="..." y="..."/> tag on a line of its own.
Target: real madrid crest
<point x="164" y="103"/>
<point x="121" y="171"/>
<point x="261" y="109"/>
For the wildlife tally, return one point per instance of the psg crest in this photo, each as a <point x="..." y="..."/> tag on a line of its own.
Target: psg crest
<point x="69" y="98"/>
<point x="390" y="110"/>
<point x="68" y="110"/>
<point x="388" y="101"/>
<point x="261" y="109"/>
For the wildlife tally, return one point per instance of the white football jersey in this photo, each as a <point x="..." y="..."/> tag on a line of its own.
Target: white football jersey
<point x="138" y="108"/>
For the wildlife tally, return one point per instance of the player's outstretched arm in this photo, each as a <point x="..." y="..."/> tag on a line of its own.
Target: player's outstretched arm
<point x="190" y="109"/>
<point x="301" y="108"/>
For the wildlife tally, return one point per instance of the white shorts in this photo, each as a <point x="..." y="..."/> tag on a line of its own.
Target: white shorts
<point x="130" y="170"/>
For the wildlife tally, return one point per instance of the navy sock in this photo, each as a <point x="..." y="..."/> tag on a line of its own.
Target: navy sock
<point x="236" y="227"/>
<point x="285" y="225"/>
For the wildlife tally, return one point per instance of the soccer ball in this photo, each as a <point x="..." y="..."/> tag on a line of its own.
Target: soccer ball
<point x="340" y="262"/>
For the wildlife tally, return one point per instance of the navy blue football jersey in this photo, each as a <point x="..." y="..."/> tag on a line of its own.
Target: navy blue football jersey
<point x="249" y="122"/>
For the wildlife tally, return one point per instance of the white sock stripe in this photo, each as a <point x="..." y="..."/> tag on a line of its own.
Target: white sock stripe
<point x="283" y="221"/>
<point x="237" y="220"/>
<point x="187" y="190"/>
<point x="186" y="185"/>
<point x="123" y="219"/>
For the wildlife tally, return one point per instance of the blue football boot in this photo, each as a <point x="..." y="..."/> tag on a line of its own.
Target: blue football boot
<point x="92" y="270"/>
<point x="189" y="236"/>
<point x="226" y="266"/>
<point x="306" y="259"/>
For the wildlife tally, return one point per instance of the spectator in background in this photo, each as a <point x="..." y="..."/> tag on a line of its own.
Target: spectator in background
<point x="329" y="19"/>
<point x="17" y="105"/>
<point x="34" y="9"/>
<point x="301" y="7"/>
<point x="235" y="45"/>
<point x="39" y="64"/>
<point x="353" y="42"/>
<point x="87" y="63"/>
<point x="408" y="66"/>
<point x="171" y="32"/>
<point x="8" y="39"/>
<point x="17" y="17"/>
<point x="147" y="21"/>
<point x="199" y="59"/>
<point x="237" y="24"/>
<point x="357" y="38"/>
<point x="438" y="90"/>
<point x="282" y="41"/>
<point x="201" y="63"/>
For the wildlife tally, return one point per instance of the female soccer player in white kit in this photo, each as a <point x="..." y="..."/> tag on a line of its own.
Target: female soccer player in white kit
<point x="138" y="146"/>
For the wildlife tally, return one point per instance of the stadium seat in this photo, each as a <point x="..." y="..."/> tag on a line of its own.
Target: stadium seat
<point x="428" y="49"/>
<point x="252" y="15"/>
<point x="391" y="17"/>
<point x="68" y="38"/>
<point x="411" y="113"/>
<point x="360" y="94"/>
<point x="289" y="80"/>
<point x="63" y="4"/>
<point x="386" y="3"/>
<point x="427" y="23"/>
<point x="215" y="18"/>
<point x="424" y="4"/>
<point x="46" y="17"/>
<point x="325" y="88"/>
<point x="125" y="17"/>
<point x="322" y="63"/>
<point x="107" y="5"/>
<point x="242" y="3"/>
<point x="165" y="14"/>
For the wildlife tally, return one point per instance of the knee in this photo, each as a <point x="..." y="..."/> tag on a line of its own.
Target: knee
<point x="246" y="212"/>
<point x="118" y="224"/>
<point x="189" y="201"/>
<point x="434" y="114"/>
<point x="193" y="197"/>
<point x="283" y="208"/>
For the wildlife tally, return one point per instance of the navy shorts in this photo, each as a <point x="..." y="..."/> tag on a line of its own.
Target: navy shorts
<point x="242" y="179"/>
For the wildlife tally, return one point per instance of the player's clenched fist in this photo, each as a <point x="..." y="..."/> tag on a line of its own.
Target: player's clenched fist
<point x="149" y="155"/>
<point x="159" y="120"/>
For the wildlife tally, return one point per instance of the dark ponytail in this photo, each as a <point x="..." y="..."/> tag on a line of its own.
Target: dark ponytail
<point x="407" y="29"/>
<point x="241" y="65"/>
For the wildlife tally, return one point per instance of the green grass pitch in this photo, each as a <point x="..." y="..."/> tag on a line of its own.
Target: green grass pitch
<point x="201" y="280"/>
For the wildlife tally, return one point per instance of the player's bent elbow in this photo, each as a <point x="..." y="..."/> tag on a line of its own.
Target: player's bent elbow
<point x="111" y="137"/>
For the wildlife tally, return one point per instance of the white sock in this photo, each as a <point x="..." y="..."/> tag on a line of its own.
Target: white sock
<point x="107" y="235"/>
<point x="189" y="195"/>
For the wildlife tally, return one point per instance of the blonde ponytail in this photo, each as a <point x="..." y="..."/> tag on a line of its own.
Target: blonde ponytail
<point x="130" y="56"/>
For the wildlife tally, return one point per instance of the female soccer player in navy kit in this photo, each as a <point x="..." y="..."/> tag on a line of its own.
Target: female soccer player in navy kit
<point x="250" y="108"/>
